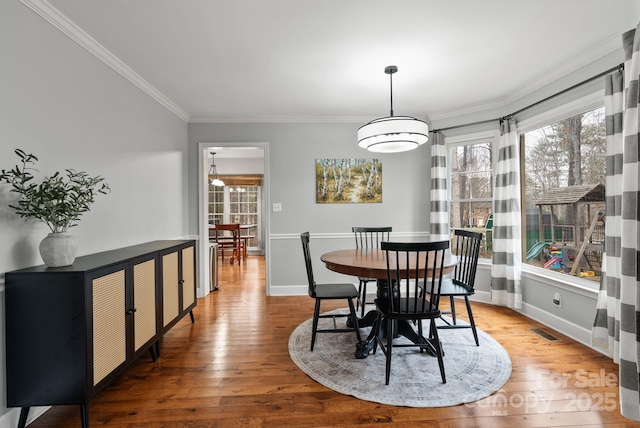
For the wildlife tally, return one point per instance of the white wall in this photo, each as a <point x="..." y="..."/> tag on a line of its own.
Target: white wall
<point x="62" y="104"/>
<point x="239" y="166"/>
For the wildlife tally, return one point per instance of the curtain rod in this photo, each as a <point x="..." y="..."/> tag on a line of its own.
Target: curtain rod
<point x="619" y="67"/>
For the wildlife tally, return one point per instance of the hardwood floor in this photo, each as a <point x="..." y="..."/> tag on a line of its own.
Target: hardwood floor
<point x="232" y="369"/>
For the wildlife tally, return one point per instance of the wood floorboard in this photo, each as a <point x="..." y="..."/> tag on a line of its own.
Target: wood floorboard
<point x="231" y="368"/>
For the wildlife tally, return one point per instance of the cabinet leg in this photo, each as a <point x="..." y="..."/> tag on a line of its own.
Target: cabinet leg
<point x="192" y="318"/>
<point x="24" y="413"/>
<point x="152" y="351"/>
<point x="84" y="415"/>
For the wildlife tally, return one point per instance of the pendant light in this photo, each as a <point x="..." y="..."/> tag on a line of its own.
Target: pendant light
<point x="213" y="174"/>
<point x="393" y="134"/>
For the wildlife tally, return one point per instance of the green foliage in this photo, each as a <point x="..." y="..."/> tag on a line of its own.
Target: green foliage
<point x="58" y="201"/>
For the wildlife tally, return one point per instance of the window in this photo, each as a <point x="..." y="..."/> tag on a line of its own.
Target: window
<point x="216" y="204"/>
<point x="471" y="178"/>
<point x="237" y="203"/>
<point x="243" y="208"/>
<point x="563" y="192"/>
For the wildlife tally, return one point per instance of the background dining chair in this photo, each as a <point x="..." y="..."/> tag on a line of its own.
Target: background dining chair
<point x="332" y="291"/>
<point x="466" y="245"/>
<point x="366" y="238"/>
<point x="227" y="236"/>
<point x="409" y="299"/>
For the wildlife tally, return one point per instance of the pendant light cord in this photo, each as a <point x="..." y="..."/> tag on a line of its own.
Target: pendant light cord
<point x="391" y="93"/>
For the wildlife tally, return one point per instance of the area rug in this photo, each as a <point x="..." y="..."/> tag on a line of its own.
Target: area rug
<point x="472" y="372"/>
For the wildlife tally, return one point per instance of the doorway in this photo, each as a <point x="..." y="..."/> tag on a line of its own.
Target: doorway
<point x="232" y="160"/>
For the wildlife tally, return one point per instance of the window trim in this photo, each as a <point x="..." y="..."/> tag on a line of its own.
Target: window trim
<point x="580" y="105"/>
<point x="588" y="102"/>
<point x="490" y="136"/>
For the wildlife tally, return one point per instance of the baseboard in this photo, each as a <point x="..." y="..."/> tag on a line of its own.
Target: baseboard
<point x="574" y="331"/>
<point x="569" y="329"/>
<point x="12" y="417"/>
<point x="289" y="290"/>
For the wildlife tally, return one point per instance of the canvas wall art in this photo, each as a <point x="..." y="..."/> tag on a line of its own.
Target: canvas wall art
<point x="348" y="181"/>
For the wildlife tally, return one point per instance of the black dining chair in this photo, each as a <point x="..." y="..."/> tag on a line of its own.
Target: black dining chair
<point x="466" y="245"/>
<point x="414" y="275"/>
<point x="333" y="291"/>
<point x="368" y="238"/>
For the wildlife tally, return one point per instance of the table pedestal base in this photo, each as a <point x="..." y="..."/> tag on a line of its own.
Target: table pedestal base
<point x="402" y="328"/>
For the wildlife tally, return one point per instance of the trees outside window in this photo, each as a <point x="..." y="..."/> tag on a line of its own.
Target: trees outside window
<point x="562" y="161"/>
<point x="471" y="178"/>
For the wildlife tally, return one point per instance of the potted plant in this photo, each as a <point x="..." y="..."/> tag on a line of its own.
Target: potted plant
<point x="58" y="201"/>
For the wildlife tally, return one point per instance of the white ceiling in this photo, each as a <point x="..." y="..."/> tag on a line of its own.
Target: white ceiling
<point x="298" y="60"/>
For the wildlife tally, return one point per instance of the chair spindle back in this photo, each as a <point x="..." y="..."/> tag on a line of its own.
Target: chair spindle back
<point x="307" y="260"/>
<point x="414" y="276"/>
<point x="370" y="237"/>
<point x="467" y="247"/>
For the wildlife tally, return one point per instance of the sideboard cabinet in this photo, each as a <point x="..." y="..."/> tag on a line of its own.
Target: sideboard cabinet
<point x="71" y="330"/>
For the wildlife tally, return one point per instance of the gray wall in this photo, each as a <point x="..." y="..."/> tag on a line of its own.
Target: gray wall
<point x="293" y="150"/>
<point x="64" y="105"/>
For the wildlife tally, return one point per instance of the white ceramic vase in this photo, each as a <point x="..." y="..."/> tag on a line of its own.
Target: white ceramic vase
<point x="58" y="249"/>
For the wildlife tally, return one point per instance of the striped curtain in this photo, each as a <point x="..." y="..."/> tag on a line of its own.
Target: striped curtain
<point x="507" y="246"/>
<point x="615" y="329"/>
<point x="439" y="217"/>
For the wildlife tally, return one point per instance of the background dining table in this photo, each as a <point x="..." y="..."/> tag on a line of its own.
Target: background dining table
<point x="245" y="237"/>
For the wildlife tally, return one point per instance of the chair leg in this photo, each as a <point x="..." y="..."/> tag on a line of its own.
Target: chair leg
<point x="438" y="348"/>
<point x="471" y="321"/>
<point x="453" y="309"/>
<point x="354" y="318"/>
<point x="364" y="297"/>
<point x="316" y="313"/>
<point x="376" y="329"/>
<point x="390" y="334"/>
<point x="420" y="333"/>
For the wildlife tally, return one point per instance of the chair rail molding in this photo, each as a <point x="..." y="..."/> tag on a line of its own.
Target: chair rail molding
<point x="344" y="235"/>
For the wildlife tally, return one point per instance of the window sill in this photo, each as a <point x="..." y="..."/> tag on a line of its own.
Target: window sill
<point x="563" y="281"/>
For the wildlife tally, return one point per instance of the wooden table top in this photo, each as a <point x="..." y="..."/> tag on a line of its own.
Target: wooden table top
<point x="242" y="226"/>
<point x="369" y="263"/>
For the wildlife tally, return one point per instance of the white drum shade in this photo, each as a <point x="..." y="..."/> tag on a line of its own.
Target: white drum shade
<point x="393" y="134"/>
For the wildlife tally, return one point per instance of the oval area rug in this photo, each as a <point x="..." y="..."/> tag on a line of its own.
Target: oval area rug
<point x="472" y="372"/>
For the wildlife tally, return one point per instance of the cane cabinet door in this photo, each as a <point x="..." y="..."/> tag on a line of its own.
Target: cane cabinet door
<point x="109" y="324"/>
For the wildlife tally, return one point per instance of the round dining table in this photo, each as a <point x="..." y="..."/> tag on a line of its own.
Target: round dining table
<point x="372" y="263"/>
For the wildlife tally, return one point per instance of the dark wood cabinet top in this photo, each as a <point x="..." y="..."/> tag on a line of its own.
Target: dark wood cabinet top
<point x="107" y="258"/>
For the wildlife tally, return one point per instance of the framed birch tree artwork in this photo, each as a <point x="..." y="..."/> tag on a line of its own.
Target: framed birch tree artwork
<point x="346" y="181"/>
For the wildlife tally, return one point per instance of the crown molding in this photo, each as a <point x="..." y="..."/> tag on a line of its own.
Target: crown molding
<point x="477" y="108"/>
<point x="61" y="22"/>
<point x="607" y="47"/>
<point x="281" y="119"/>
<point x="64" y="24"/>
